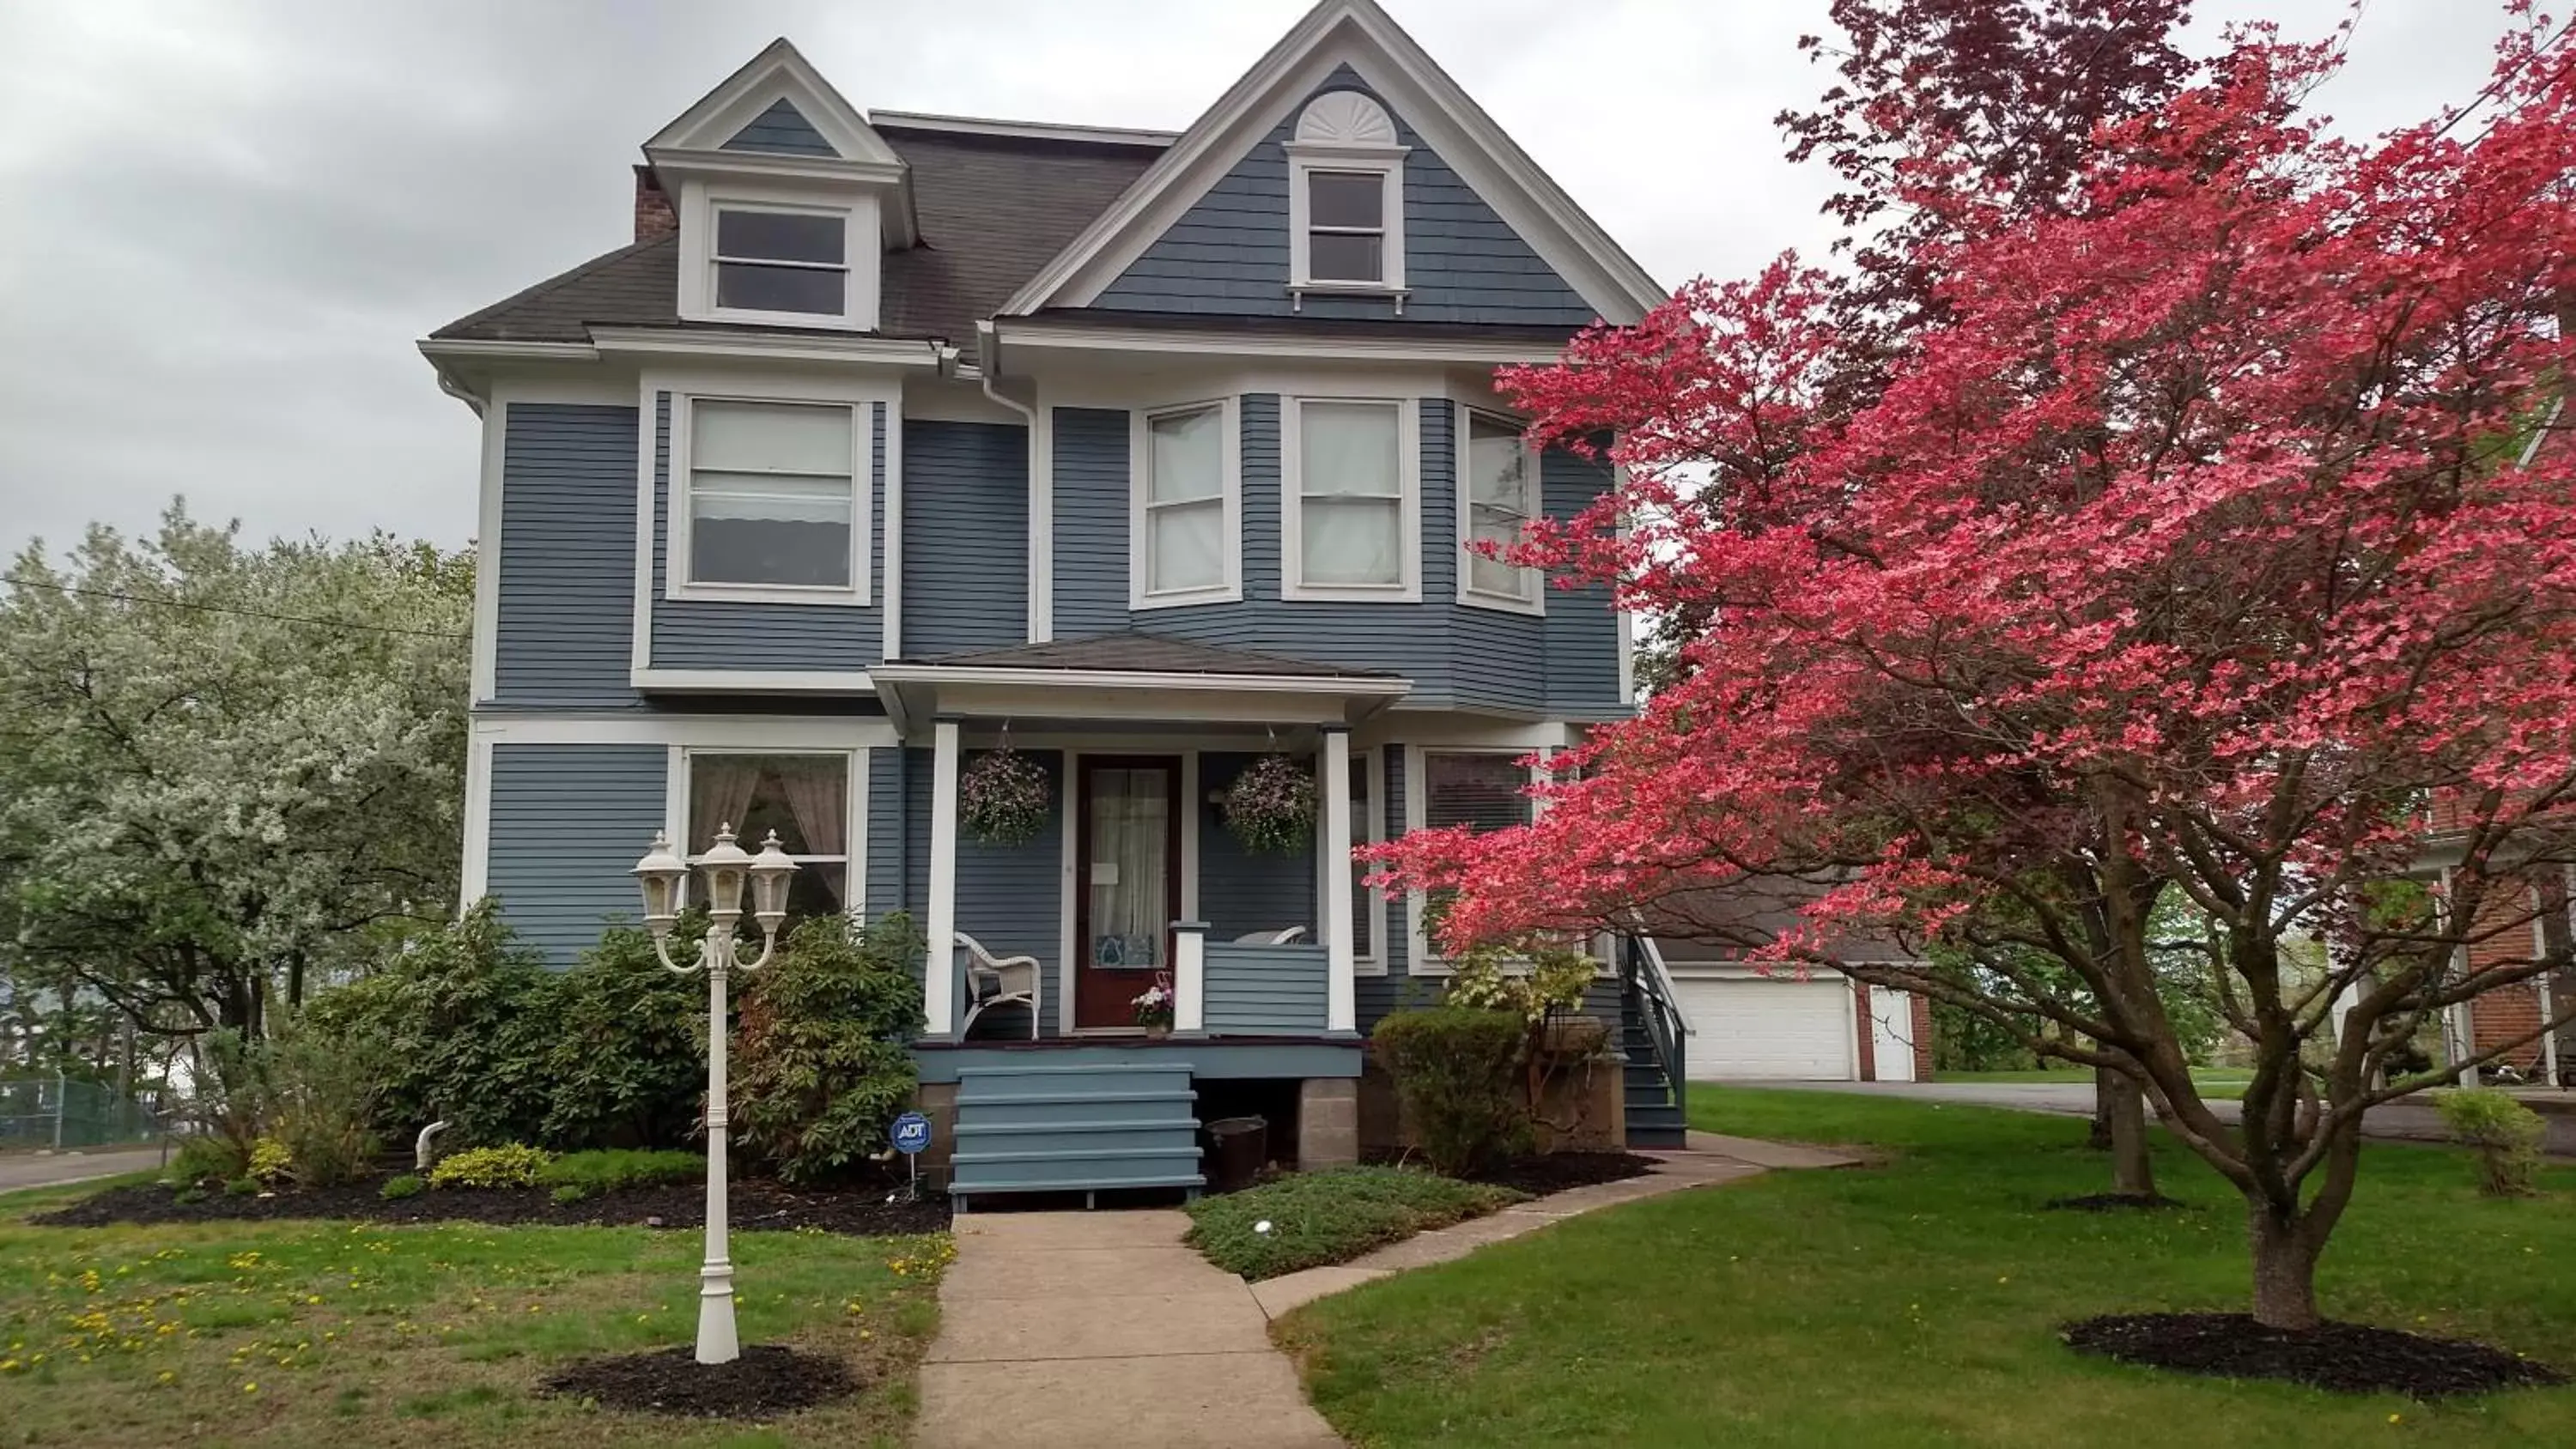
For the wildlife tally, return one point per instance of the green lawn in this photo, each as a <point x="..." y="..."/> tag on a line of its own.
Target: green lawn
<point x="1916" y="1303"/>
<point x="390" y="1337"/>
<point x="2215" y="1082"/>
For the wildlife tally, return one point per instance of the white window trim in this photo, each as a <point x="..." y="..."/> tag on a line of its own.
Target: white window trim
<point x="1368" y="828"/>
<point x="854" y="812"/>
<point x="1140" y="450"/>
<point x="860" y="251"/>
<point x="675" y="564"/>
<point x="1408" y="471"/>
<point x="1305" y="157"/>
<point x="1533" y="598"/>
<point x="1417" y="799"/>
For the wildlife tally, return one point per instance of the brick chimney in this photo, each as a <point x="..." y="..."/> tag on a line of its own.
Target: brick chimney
<point x="655" y="218"/>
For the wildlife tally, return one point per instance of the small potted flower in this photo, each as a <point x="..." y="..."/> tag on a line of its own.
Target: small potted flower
<point x="1002" y="798"/>
<point x="1154" y="1008"/>
<point x="1271" y="808"/>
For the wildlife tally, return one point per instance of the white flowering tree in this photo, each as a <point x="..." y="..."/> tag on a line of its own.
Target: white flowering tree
<point x="224" y="769"/>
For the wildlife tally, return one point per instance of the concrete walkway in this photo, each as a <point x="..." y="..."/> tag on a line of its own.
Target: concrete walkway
<point x="1070" y="1330"/>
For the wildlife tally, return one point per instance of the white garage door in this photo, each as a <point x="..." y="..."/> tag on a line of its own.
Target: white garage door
<point x="1785" y="1030"/>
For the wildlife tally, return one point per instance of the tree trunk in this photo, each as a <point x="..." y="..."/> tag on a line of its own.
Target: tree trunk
<point x="2098" y="1136"/>
<point x="2285" y="1270"/>
<point x="2133" y="1170"/>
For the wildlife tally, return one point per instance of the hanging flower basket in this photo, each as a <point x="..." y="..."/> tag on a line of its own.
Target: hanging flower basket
<point x="1002" y="798"/>
<point x="1271" y="808"/>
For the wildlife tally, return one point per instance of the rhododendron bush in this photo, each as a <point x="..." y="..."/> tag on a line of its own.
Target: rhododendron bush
<point x="2197" y="550"/>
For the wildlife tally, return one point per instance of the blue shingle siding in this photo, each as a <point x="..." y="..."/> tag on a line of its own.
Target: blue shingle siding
<point x="1228" y="254"/>
<point x="1091" y="450"/>
<point x="567" y="588"/>
<point x="1240" y="892"/>
<point x="966" y="536"/>
<point x="716" y="634"/>
<point x="568" y="822"/>
<point x="889" y="843"/>
<point x="782" y="129"/>
<point x="1265" y="990"/>
<point x="1582" y="628"/>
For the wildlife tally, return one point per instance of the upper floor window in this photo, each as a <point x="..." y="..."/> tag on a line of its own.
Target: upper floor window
<point x="1346" y="197"/>
<point x="1186" y="540"/>
<point x="1498" y="496"/>
<point x="770" y="260"/>
<point x="1350" y="499"/>
<point x="771" y="498"/>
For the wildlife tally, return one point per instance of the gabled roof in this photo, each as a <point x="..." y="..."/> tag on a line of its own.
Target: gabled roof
<point x="751" y="100"/>
<point x="992" y="210"/>
<point x="1358" y="34"/>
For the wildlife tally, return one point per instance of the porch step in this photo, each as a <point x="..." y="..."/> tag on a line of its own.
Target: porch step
<point x="1651" y="1099"/>
<point x="1077" y="1128"/>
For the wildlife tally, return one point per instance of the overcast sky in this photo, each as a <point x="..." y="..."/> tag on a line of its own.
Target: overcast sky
<point x="225" y="225"/>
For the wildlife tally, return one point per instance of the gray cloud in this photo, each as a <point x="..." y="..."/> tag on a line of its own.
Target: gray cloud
<point x="227" y="224"/>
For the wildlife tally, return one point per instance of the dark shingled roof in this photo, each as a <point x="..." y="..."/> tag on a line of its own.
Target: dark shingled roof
<point x="992" y="209"/>
<point x="1149" y="653"/>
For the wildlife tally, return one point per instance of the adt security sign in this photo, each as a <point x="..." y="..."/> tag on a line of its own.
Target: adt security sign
<point x="911" y="1133"/>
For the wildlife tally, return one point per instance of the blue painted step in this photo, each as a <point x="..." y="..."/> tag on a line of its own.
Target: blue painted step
<point x="1079" y="1127"/>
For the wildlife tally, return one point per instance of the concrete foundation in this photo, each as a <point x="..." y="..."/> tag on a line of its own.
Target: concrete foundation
<point x="1328" y="1123"/>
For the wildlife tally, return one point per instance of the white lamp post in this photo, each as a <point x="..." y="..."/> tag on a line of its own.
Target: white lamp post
<point x="661" y="872"/>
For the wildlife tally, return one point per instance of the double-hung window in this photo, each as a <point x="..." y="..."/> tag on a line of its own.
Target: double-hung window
<point x="1345" y="226"/>
<point x="1499" y="497"/>
<point x="804" y="797"/>
<point x="1483" y="790"/>
<point x="1346" y="199"/>
<point x="1186" y="546"/>
<point x="1352" y="497"/>
<point x="772" y="501"/>
<point x="792" y="262"/>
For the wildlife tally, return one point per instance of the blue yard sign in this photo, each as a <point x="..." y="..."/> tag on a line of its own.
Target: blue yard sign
<point x="911" y="1133"/>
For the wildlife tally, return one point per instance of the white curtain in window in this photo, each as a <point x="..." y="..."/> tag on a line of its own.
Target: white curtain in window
<point x="720" y="791"/>
<point x="1185" y="503"/>
<point x="1351" y="487"/>
<point x="813" y="787"/>
<point x="1131" y="813"/>
<point x="1498" y="503"/>
<point x="750" y="437"/>
<point x="770" y="496"/>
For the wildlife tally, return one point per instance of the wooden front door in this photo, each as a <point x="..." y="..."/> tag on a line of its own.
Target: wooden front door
<point x="1127" y="882"/>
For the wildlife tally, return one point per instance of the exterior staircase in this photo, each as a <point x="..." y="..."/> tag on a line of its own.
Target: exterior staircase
<point x="1655" y="1119"/>
<point x="1085" y="1127"/>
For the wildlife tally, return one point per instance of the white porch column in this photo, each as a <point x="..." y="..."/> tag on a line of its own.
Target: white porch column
<point x="939" y="965"/>
<point x="1341" y="1000"/>
<point x="1189" y="976"/>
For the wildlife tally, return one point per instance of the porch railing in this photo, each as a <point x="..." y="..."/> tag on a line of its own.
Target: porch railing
<point x="1645" y="981"/>
<point x="1244" y="988"/>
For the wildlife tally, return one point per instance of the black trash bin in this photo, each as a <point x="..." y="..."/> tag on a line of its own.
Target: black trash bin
<point x="1237" y="1146"/>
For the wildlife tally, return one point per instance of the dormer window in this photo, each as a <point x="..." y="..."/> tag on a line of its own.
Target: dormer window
<point x="782" y="261"/>
<point x="1346" y="198"/>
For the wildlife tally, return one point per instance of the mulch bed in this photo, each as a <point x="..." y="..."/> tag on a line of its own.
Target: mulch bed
<point x="765" y="1382"/>
<point x="755" y="1206"/>
<point x="2350" y="1358"/>
<point x="2115" y="1202"/>
<point x="1544" y="1173"/>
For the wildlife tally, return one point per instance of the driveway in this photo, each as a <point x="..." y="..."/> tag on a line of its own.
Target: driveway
<point x="2392" y="1121"/>
<point x="53" y="1169"/>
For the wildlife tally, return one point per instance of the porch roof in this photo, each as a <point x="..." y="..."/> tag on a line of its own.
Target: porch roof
<point x="1131" y="676"/>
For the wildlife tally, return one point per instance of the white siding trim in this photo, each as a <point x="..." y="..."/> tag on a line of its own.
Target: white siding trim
<point x="820" y="733"/>
<point x="487" y="551"/>
<point x="939" y="960"/>
<point x="1341" y="1011"/>
<point x="1067" y="877"/>
<point x="890" y="418"/>
<point x="1188" y="805"/>
<point x="475" y="873"/>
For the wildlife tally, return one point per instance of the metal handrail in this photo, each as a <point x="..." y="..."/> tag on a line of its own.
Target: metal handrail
<point x="1641" y="970"/>
<point x="1663" y="978"/>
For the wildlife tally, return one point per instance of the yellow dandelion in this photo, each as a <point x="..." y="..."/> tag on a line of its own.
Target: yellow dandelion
<point x="250" y="1388"/>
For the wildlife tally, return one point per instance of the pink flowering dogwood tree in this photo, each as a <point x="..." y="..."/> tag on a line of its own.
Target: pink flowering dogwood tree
<point x="2199" y="551"/>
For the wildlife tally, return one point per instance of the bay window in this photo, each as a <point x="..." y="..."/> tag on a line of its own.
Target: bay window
<point x="1185" y="545"/>
<point x="1498" y="496"/>
<point x="1351" y="499"/>
<point x="804" y="797"/>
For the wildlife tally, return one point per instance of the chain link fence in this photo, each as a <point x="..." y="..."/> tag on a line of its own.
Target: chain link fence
<point x="59" y="1112"/>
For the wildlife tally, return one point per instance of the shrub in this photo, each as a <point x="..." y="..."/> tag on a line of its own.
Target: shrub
<point x="570" y="1193"/>
<point x="822" y="1071"/>
<point x="242" y="1187"/>
<point x="323" y="1093"/>
<point x="515" y="1165"/>
<point x="628" y="1063"/>
<point x="270" y="1160"/>
<point x="1457" y="1068"/>
<point x="189" y="1194"/>
<point x="230" y="1100"/>
<point x="615" y="1169"/>
<point x="1317" y="1218"/>
<point x="398" y="1188"/>
<point x="206" y="1159"/>
<point x="2506" y="1134"/>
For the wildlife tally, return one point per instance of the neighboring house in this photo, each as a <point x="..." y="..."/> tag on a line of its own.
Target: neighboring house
<point x="1754" y="1021"/>
<point x="894" y="437"/>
